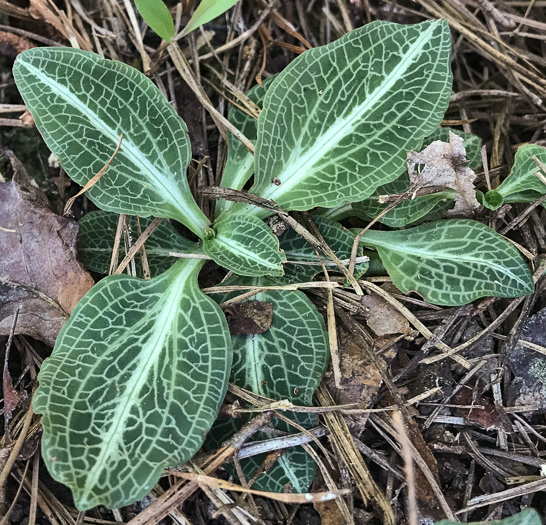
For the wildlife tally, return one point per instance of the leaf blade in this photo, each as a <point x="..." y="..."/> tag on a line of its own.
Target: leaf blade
<point x="452" y="262"/>
<point x="323" y="137"/>
<point x="157" y="16"/>
<point x="96" y="236"/>
<point x="81" y="119"/>
<point x="137" y="375"/>
<point x="245" y="245"/>
<point x="207" y="11"/>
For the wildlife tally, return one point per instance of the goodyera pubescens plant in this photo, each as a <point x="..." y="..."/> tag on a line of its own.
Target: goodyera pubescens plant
<point x="138" y="373"/>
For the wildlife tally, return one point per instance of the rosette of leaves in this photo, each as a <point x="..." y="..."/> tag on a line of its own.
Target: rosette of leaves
<point x="139" y="371"/>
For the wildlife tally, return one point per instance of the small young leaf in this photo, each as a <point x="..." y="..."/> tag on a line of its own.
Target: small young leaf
<point x="298" y="249"/>
<point x="83" y="103"/>
<point x="207" y="11"/>
<point x="525" y="517"/>
<point x="452" y="262"/>
<point x="339" y="120"/>
<point x="96" y="242"/>
<point x="244" y="245"/>
<point x="157" y="16"/>
<point x="492" y="200"/>
<point x="135" y="380"/>
<point x="521" y="181"/>
<point x="240" y="162"/>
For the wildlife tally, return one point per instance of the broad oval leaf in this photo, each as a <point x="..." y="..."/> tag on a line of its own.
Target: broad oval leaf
<point x="240" y="162"/>
<point x="135" y="380"/>
<point x="452" y="262"/>
<point x="244" y="245"/>
<point x="157" y="16"/>
<point x="97" y="233"/>
<point x="82" y="103"/>
<point x="338" y="238"/>
<point x="339" y="120"/>
<point x="207" y="11"/>
<point x="286" y="362"/>
<point x="521" y="183"/>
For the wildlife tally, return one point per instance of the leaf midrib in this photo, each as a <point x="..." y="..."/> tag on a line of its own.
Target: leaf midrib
<point x="334" y="134"/>
<point x="128" y="148"/>
<point x="163" y="322"/>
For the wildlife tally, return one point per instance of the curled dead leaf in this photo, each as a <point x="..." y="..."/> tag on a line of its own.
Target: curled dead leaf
<point x="445" y="165"/>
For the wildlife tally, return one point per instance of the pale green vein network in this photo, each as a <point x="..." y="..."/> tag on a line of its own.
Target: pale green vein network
<point x="298" y="164"/>
<point x="152" y="179"/>
<point x="135" y="380"/>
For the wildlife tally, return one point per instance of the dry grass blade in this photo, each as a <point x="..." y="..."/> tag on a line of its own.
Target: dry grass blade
<point x="93" y="180"/>
<point x="352" y="458"/>
<point x="285" y="498"/>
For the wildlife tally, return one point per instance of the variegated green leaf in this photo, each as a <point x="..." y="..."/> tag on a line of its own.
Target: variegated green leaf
<point x="97" y="232"/>
<point x="452" y="262"/>
<point x="295" y="467"/>
<point x="521" y="183"/>
<point x="409" y="211"/>
<point x="135" y="380"/>
<point x="240" y="162"/>
<point x="338" y="238"/>
<point x="339" y="120"/>
<point x="83" y="103"/>
<point x="244" y="245"/>
<point x="286" y="362"/>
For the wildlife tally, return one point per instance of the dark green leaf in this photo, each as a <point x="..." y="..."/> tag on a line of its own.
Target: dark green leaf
<point x="96" y="242"/>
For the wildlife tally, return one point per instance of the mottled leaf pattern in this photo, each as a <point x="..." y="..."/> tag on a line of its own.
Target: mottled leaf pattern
<point x="338" y="238"/>
<point x="295" y="467"/>
<point x="286" y="362"/>
<point x="521" y="185"/>
<point x="135" y="380"/>
<point x="82" y="104"/>
<point x="452" y="262"/>
<point x="244" y="245"/>
<point x="240" y="162"/>
<point x="97" y="233"/>
<point x="339" y="120"/>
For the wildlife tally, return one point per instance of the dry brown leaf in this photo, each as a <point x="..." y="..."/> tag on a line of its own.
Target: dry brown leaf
<point x="39" y="270"/>
<point x="444" y="165"/>
<point x="382" y="318"/>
